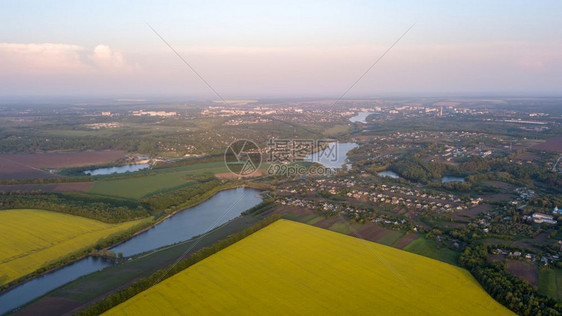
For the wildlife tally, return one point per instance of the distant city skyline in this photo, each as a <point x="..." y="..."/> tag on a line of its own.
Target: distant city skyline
<point x="281" y="49"/>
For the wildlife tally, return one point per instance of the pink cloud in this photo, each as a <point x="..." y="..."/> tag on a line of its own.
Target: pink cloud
<point x="45" y="58"/>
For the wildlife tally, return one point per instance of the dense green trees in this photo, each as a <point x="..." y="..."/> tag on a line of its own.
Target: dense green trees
<point x="183" y="197"/>
<point x="511" y="291"/>
<point x="102" y="209"/>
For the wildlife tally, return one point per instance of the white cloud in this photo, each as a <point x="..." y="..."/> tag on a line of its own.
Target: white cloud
<point x="45" y="58"/>
<point x="104" y="57"/>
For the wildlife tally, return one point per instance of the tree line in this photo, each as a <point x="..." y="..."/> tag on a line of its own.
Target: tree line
<point x="103" y="209"/>
<point x="511" y="291"/>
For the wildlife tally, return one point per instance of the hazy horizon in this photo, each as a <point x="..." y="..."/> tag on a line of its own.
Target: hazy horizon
<point x="290" y="49"/>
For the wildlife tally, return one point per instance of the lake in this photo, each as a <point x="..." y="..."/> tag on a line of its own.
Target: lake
<point x="182" y="226"/>
<point x="451" y="179"/>
<point x="389" y="174"/>
<point x="361" y="117"/>
<point x="333" y="156"/>
<point x="117" y="169"/>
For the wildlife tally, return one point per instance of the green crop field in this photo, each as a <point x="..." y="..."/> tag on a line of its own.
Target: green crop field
<point x="197" y="169"/>
<point x="550" y="282"/>
<point x="31" y="239"/>
<point x="427" y="247"/>
<point x="294" y="268"/>
<point x="155" y="181"/>
<point x="138" y="187"/>
<point x="391" y="237"/>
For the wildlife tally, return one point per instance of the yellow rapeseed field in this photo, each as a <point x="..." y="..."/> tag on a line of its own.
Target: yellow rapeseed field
<point x="30" y="239"/>
<point x="293" y="268"/>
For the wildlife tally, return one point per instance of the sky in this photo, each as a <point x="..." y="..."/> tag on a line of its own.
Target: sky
<point x="253" y="49"/>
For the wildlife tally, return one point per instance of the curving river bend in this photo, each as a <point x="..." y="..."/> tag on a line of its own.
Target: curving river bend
<point x="184" y="225"/>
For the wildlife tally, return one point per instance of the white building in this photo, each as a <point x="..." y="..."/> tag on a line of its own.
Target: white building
<point x="543" y="218"/>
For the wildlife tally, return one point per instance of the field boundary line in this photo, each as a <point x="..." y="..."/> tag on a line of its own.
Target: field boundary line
<point x="369" y="246"/>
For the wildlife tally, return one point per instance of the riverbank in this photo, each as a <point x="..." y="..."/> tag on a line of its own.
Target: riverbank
<point x="191" y="204"/>
<point x="112" y="241"/>
<point x="75" y="256"/>
<point x="185" y="226"/>
<point x="92" y="288"/>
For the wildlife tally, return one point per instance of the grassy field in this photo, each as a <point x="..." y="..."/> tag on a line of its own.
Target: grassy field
<point x="294" y="268"/>
<point x="391" y="237"/>
<point x="138" y="187"/>
<point x="426" y="247"/>
<point x="550" y="283"/>
<point x="337" y="129"/>
<point x="30" y="239"/>
<point x="157" y="181"/>
<point x="197" y="169"/>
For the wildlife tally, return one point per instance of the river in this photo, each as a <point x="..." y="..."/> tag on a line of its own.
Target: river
<point x="184" y="225"/>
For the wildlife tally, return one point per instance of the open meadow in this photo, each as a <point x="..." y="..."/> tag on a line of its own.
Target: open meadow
<point x="31" y="239"/>
<point x="155" y="181"/>
<point x="294" y="268"/>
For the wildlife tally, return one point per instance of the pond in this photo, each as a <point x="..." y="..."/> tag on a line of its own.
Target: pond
<point x="389" y="174"/>
<point x="451" y="179"/>
<point x="361" y="117"/>
<point x="184" y="225"/>
<point x="333" y="156"/>
<point x="117" y="169"/>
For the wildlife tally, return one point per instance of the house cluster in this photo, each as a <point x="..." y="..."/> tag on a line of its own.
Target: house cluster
<point x="236" y="122"/>
<point x="427" y="135"/>
<point x="350" y="212"/>
<point x="522" y="255"/>
<point x="97" y="126"/>
<point x="450" y="151"/>
<point x="545" y="259"/>
<point x="524" y="193"/>
<point x="453" y="152"/>
<point x="398" y="195"/>
<point x="412" y="200"/>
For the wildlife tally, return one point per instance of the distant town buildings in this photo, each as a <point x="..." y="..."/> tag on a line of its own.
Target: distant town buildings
<point x="103" y="125"/>
<point x="154" y="113"/>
